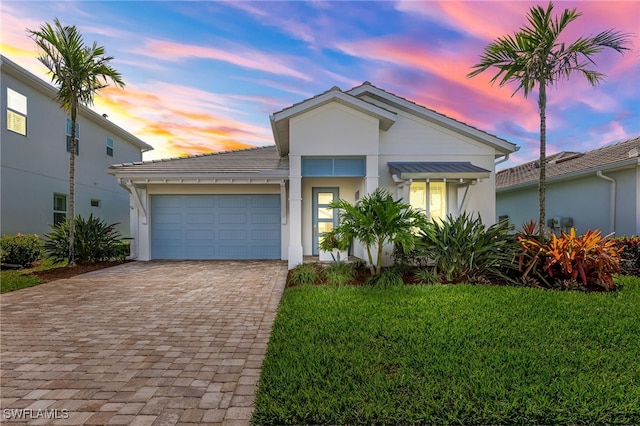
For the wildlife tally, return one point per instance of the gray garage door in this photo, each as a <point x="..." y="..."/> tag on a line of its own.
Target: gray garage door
<point x="215" y="227"/>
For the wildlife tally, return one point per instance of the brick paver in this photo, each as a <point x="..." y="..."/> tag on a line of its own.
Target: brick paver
<point x="144" y="343"/>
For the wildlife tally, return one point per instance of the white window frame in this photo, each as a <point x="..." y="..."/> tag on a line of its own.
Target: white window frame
<point x="57" y="211"/>
<point x="110" y="146"/>
<point x="16" y="112"/>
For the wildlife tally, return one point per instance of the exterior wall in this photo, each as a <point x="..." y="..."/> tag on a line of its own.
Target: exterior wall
<point x="36" y="166"/>
<point x="585" y="199"/>
<point x="140" y="225"/>
<point x="414" y="139"/>
<point x="333" y="129"/>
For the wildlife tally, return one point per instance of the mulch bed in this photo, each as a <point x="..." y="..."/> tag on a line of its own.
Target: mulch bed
<point x="72" y="271"/>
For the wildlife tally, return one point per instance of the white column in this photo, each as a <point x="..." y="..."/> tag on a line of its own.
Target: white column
<point x="295" y="211"/>
<point x="371" y="179"/>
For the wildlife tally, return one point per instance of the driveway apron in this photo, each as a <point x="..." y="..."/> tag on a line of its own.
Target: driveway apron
<point x="143" y="343"/>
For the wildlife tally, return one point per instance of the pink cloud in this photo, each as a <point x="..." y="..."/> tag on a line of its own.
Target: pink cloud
<point x="236" y="55"/>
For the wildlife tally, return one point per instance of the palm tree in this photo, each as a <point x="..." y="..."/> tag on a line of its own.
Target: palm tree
<point x="79" y="71"/>
<point x="535" y="57"/>
<point x="375" y="220"/>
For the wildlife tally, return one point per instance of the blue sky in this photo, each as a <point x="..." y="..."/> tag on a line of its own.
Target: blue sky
<point x="204" y="76"/>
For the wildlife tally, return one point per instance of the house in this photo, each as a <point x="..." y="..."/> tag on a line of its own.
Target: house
<point x="598" y="189"/>
<point x="271" y="202"/>
<point x="35" y="158"/>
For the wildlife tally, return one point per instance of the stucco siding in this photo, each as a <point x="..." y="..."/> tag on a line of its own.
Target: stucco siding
<point x="585" y="199"/>
<point x="36" y="166"/>
<point x="333" y="129"/>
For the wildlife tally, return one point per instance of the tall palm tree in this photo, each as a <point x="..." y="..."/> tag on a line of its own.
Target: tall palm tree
<point x="79" y="71"/>
<point x="535" y="57"/>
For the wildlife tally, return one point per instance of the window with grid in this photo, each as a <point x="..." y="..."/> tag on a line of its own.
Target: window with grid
<point x="16" y="112"/>
<point x="435" y="193"/>
<point x="110" y="147"/>
<point x="59" y="208"/>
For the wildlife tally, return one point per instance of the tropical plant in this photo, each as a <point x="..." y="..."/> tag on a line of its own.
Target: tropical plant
<point x="334" y="244"/>
<point x="629" y="248"/>
<point x="588" y="258"/>
<point x="20" y="249"/>
<point x="386" y="277"/>
<point x="79" y="71"/>
<point x="427" y="276"/>
<point x="537" y="56"/>
<point x="339" y="273"/>
<point x="375" y="220"/>
<point x="304" y="274"/>
<point x="94" y="241"/>
<point x="463" y="249"/>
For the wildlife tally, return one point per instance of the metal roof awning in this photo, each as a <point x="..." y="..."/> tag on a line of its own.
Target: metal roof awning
<point x="437" y="170"/>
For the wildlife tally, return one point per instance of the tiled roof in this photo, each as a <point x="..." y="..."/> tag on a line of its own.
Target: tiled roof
<point x="246" y="161"/>
<point x="565" y="163"/>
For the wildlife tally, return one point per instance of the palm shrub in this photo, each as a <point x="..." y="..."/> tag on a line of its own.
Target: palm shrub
<point x="20" y="249"/>
<point x="463" y="249"/>
<point x="375" y="220"/>
<point x="94" y="241"/>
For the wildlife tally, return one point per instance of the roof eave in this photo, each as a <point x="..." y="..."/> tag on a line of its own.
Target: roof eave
<point x="573" y="175"/>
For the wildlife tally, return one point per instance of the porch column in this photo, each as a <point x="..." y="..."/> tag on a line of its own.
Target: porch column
<point x="295" y="211"/>
<point x="371" y="178"/>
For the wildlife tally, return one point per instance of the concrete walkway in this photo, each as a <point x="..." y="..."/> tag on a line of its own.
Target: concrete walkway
<point x="144" y="343"/>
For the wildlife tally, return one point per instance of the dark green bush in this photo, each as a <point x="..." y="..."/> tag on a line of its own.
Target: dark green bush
<point x="463" y="249"/>
<point x="94" y="241"/>
<point x="304" y="274"/>
<point x="339" y="273"/>
<point x="20" y="249"/>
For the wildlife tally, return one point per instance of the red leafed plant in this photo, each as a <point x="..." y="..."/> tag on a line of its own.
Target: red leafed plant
<point x="588" y="258"/>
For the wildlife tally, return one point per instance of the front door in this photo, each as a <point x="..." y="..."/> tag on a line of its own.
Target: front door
<point x="324" y="218"/>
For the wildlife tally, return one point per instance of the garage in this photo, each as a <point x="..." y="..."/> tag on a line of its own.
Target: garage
<point x="215" y="227"/>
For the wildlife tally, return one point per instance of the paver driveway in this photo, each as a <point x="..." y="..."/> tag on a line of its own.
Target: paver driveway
<point x="145" y="343"/>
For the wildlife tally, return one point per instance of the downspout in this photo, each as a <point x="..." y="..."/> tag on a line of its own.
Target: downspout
<point x="612" y="201"/>
<point x="502" y="160"/>
<point x="135" y="229"/>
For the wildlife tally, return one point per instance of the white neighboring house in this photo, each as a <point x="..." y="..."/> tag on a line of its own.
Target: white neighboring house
<point x="270" y="202"/>
<point x="35" y="158"/>
<point x="598" y="189"/>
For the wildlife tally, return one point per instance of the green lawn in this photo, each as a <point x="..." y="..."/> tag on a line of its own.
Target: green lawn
<point x="15" y="280"/>
<point x="452" y="355"/>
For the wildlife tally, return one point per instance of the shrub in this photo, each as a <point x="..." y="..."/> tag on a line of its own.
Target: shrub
<point x="386" y="277"/>
<point x="427" y="276"/>
<point x="462" y="249"/>
<point x="339" y="273"/>
<point x="569" y="258"/>
<point x="304" y="274"/>
<point x="20" y="249"/>
<point x="94" y="241"/>
<point x="629" y="248"/>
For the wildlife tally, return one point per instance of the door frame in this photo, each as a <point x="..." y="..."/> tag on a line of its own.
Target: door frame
<point x="315" y="234"/>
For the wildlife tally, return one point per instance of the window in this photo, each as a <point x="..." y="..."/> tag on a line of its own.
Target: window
<point x="437" y="195"/>
<point x="333" y="166"/>
<point x="16" y="112"/>
<point x="59" y="208"/>
<point x="69" y="136"/>
<point x="110" y="147"/>
<point x="95" y="203"/>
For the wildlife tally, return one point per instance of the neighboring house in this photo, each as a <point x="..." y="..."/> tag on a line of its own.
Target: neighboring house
<point x="35" y="158"/>
<point x="597" y="189"/>
<point x="271" y="202"/>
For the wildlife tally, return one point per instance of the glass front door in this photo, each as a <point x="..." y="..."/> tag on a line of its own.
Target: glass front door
<point x="324" y="218"/>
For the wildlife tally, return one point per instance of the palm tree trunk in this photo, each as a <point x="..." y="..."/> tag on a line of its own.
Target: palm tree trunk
<point x="372" y="268"/>
<point x="72" y="185"/>
<point x="542" y="106"/>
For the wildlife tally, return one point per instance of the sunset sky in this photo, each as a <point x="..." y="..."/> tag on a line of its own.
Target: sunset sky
<point x="204" y="76"/>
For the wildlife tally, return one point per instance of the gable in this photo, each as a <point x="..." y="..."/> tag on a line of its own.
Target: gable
<point x="333" y="129"/>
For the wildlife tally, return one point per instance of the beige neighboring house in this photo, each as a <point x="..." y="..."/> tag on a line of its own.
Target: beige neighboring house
<point x="271" y="202"/>
<point x="35" y="158"/>
<point x="598" y="189"/>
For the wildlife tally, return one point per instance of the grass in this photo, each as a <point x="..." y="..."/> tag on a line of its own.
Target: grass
<point x="452" y="355"/>
<point x="16" y="280"/>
